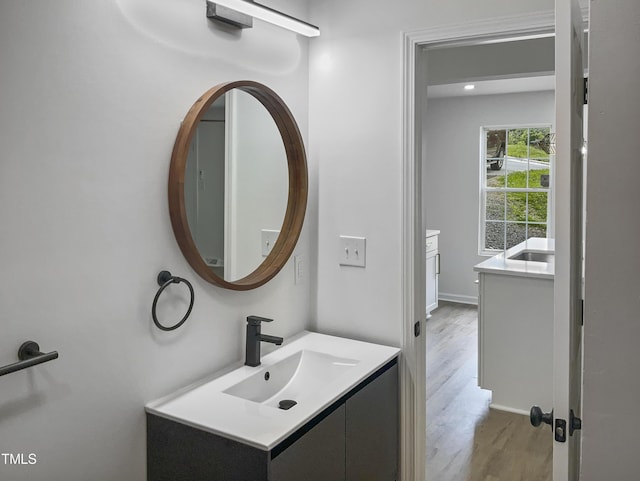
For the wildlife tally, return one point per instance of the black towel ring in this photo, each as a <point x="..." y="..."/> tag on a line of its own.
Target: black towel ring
<point x="164" y="279"/>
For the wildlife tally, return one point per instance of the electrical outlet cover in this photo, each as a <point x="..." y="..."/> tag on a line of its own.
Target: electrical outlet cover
<point x="298" y="267"/>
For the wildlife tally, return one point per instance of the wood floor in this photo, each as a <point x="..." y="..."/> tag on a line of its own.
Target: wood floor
<point x="467" y="441"/>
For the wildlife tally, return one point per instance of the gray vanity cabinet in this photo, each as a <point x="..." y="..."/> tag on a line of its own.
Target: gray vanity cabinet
<point x="372" y="430"/>
<point x="354" y="439"/>
<point x="357" y="442"/>
<point x="317" y="456"/>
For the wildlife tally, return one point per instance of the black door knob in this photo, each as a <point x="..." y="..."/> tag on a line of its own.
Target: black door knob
<point x="537" y="417"/>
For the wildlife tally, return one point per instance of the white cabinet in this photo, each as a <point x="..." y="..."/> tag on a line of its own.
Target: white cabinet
<point x="433" y="270"/>
<point x="515" y="341"/>
<point x="515" y="326"/>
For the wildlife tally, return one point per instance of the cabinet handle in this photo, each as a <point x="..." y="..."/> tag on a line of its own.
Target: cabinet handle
<point x="438" y="264"/>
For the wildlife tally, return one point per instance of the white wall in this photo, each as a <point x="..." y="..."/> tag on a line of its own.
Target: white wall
<point x="612" y="302"/>
<point x="259" y="182"/>
<point x="495" y="60"/>
<point x="452" y="130"/>
<point x="356" y="141"/>
<point x="92" y="95"/>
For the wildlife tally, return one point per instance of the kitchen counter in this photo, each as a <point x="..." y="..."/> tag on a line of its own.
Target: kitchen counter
<point x="515" y="327"/>
<point x="503" y="264"/>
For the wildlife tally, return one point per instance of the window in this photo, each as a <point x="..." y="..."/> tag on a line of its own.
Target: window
<point x="515" y="193"/>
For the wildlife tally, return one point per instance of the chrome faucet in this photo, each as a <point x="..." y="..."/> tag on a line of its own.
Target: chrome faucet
<point x="255" y="337"/>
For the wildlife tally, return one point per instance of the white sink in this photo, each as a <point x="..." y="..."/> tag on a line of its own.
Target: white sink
<point x="299" y="374"/>
<point x="312" y="369"/>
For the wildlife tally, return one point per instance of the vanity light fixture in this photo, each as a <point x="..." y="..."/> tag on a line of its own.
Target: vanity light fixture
<point x="240" y="14"/>
<point x="469" y="87"/>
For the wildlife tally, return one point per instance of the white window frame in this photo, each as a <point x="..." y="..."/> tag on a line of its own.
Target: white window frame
<point x="482" y="251"/>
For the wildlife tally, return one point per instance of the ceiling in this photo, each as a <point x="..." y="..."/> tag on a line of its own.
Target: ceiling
<point x="510" y="66"/>
<point x="493" y="87"/>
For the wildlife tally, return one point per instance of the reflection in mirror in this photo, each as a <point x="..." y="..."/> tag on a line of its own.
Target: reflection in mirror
<point x="238" y="208"/>
<point x="236" y="185"/>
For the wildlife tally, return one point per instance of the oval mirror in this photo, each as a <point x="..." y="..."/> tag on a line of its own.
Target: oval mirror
<point x="238" y="185"/>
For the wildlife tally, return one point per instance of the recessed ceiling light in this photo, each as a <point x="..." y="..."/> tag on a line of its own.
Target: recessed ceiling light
<point x="469" y="87"/>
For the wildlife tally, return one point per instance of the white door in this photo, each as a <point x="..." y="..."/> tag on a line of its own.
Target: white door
<point x="210" y="180"/>
<point x="567" y="350"/>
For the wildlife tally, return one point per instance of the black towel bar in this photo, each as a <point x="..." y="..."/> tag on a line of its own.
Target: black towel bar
<point x="29" y="355"/>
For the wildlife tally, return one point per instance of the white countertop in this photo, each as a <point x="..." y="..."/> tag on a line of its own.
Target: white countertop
<point x="501" y="264"/>
<point x="204" y="406"/>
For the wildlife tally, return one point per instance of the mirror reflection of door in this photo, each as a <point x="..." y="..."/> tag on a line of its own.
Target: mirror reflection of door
<point x="204" y="187"/>
<point x="236" y="185"/>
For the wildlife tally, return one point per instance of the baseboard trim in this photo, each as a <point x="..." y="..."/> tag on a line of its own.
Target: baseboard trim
<point x="499" y="407"/>
<point x="443" y="296"/>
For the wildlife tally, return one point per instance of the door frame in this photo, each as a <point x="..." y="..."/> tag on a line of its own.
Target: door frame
<point x="413" y="373"/>
<point x="569" y="240"/>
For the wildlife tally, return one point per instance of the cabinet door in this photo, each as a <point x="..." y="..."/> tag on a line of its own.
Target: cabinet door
<point x="319" y="455"/>
<point x="372" y="430"/>
<point x="432" y="281"/>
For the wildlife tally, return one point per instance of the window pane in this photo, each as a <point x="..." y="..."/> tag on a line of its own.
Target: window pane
<point x="495" y="178"/>
<point x="495" y="146"/>
<point x="495" y="152"/>
<point x="494" y="235"/>
<point x="494" y="206"/>
<point x="517" y="206"/>
<point x="516" y="172"/>
<point x="537" y="208"/>
<point x="536" y="170"/>
<point x="539" y="144"/>
<point x="537" y="230"/>
<point x="516" y="233"/>
<point x="518" y="143"/>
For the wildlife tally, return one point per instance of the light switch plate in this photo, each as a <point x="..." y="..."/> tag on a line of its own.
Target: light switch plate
<point x="268" y="239"/>
<point x="353" y="251"/>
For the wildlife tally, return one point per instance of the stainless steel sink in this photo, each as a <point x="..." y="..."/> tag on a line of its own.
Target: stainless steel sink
<point x="533" y="256"/>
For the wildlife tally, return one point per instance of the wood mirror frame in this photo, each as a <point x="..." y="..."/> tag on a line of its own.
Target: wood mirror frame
<point x="298" y="185"/>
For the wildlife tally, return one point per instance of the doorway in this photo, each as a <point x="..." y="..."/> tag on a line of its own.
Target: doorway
<point x="489" y="107"/>
<point x="568" y="55"/>
<point x="484" y="32"/>
<point x="466" y="439"/>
